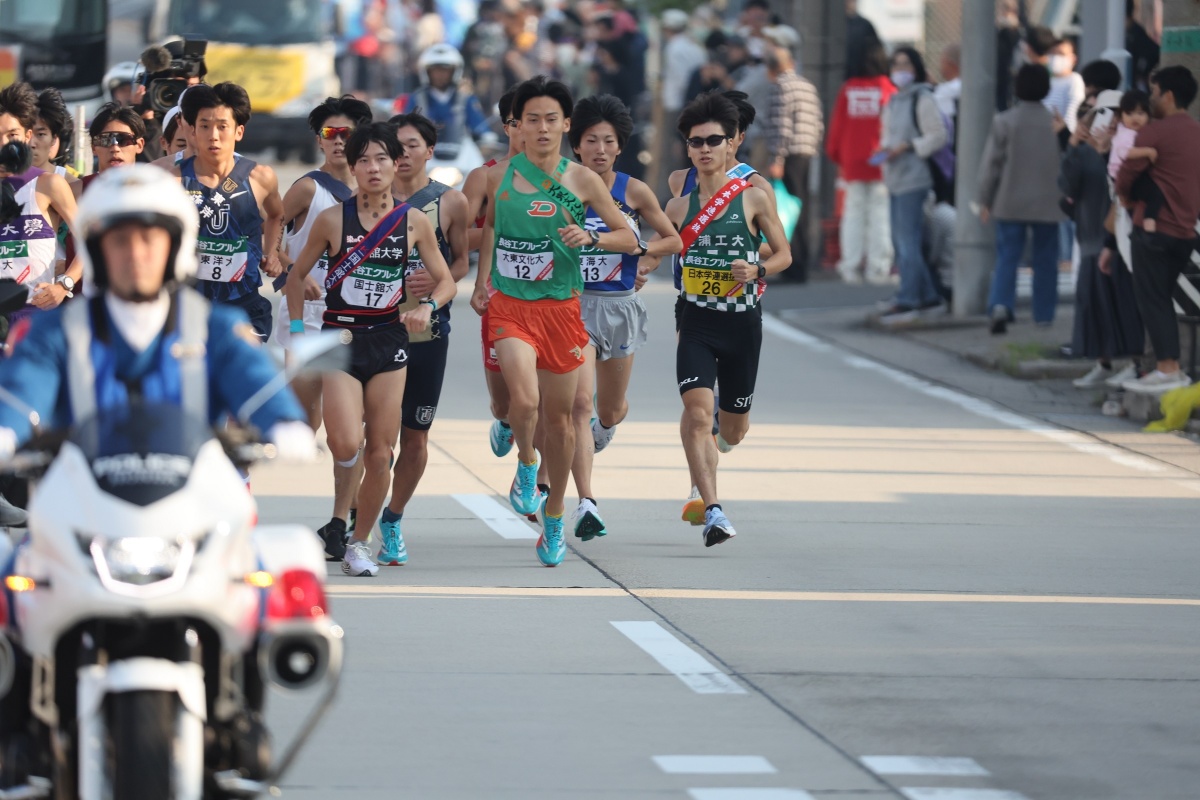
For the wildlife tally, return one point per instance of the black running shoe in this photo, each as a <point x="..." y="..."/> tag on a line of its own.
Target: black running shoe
<point x="333" y="535"/>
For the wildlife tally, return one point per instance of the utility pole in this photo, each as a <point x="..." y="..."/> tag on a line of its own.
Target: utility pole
<point x="974" y="243"/>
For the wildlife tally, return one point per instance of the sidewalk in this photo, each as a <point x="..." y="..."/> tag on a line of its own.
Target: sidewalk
<point x="1023" y="370"/>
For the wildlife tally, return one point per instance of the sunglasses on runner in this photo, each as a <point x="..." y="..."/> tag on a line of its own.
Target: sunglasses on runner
<point x="716" y="140"/>
<point x="119" y="139"/>
<point x="329" y="134"/>
<point x="511" y="122"/>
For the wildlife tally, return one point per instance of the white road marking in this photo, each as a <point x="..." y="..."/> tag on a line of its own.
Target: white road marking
<point x="500" y="519"/>
<point x="921" y="765"/>
<point x="974" y="405"/>
<point x="749" y="794"/>
<point x="948" y="793"/>
<point x="689" y="666"/>
<point x="714" y="765"/>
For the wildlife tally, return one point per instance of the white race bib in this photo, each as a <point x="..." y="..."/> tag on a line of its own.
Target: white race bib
<point x="16" y="265"/>
<point x="525" y="259"/>
<point x="598" y="266"/>
<point x="221" y="260"/>
<point x="366" y="293"/>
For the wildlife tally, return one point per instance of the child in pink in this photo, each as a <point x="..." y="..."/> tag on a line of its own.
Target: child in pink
<point x="1135" y="115"/>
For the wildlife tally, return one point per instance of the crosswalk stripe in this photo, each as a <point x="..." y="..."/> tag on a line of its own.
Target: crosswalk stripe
<point x="714" y="765"/>
<point x="689" y="666"/>
<point x="922" y="765"/>
<point x="497" y="517"/>
<point x="951" y="793"/>
<point x="749" y="794"/>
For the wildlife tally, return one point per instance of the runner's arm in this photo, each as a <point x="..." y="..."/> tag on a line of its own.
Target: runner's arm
<point x="61" y="201"/>
<point x="421" y="235"/>
<point x="455" y="203"/>
<point x="645" y="203"/>
<point x="320" y="239"/>
<point x="271" y="205"/>
<point x="675" y="182"/>
<point x="475" y="189"/>
<point x="295" y="208"/>
<point x="768" y="223"/>
<point x="479" y="298"/>
<point x="620" y="237"/>
<point x="759" y="182"/>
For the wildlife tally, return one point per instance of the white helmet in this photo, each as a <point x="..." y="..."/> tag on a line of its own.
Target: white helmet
<point x="440" y="55"/>
<point x="141" y="193"/>
<point x="125" y="72"/>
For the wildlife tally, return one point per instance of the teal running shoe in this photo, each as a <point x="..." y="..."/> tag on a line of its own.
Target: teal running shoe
<point x="587" y="522"/>
<point x="501" y="438"/>
<point x="392" y="553"/>
<point x="552" y="546"/>
<point x="523" y="494"/>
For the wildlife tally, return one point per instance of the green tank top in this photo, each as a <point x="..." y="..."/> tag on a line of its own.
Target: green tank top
<point x="529" y="259"/>
<point x="706" y="277"/>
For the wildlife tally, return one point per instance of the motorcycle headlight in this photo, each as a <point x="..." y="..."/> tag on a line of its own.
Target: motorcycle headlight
<point x="451" y="176"/>
<point x="142" y="561"/>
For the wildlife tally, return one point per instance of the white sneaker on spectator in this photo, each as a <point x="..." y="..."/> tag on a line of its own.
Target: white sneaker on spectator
<point x="1158" y="382"/>
<point x="899" y="315"/>
<point x="1127" y="374"/>
<point x="851" y="277"/>
<point x="880" y="278"/>
<point x="935" y="309"/>
<point x="1100" y="374"/>
<point x="885" y="305"/>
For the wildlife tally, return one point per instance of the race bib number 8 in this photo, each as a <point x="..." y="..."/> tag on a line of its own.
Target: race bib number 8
<point x="524" y="259"/>
<point x="222" y="261"/>
<point x="711" y="283"/>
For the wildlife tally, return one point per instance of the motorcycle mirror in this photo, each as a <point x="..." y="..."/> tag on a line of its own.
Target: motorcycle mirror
<point x="311" y="354"/>
<point x="12" y="296"/>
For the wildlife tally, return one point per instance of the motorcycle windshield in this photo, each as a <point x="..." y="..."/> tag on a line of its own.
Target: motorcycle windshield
<point x="142" y="453"/>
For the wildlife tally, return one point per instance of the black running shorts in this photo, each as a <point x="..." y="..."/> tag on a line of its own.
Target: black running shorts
<point x="374" y="351"/>
<point x="719" y="346"/>
<point x="423" y="387"/>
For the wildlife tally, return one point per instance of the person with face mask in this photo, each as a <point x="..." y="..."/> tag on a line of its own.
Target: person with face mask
<point x="912" y="131"/>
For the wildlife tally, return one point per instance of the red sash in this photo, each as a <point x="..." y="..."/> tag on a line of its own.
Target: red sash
<point x="716" y="203"/>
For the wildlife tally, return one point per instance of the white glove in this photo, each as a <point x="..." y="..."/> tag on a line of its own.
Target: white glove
<point x="294" y="441"/>
<point x="8" y="444"/>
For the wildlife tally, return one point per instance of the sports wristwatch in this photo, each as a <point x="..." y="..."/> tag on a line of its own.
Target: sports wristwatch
<point x="595" y="236"/>
<point x="762" y="272"/>
<point x="643" y="248"/>
<point x="68" y="283"/>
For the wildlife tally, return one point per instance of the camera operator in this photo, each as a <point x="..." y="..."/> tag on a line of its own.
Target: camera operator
<point x="169" y="69"/>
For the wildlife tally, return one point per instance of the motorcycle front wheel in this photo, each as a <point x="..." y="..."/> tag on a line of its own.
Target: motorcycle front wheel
<point x="141" y="734"/>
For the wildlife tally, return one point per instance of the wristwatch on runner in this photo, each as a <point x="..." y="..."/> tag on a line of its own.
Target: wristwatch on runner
<point x="68" y="283"/>
<point x="642" y="247"/>
<point x="595" y="237"/>
<point x="762" y="272"/>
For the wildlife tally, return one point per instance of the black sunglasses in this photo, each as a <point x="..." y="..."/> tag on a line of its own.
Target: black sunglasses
<point x="716" y="140"/>
<point x="119" y="139"/>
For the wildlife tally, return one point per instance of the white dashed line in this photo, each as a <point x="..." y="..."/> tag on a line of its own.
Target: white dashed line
<point x="922" y="765"/>
<point x="497" y="517"/>
<point x="714" y="765"/>
<point x="749" y="794"/>
<point x="947" y="793"/>
<point x="686" y="664"/>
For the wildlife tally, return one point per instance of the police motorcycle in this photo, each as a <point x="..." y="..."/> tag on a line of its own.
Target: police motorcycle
<point x="456" y="152"/>
<point x="146" y="614"/>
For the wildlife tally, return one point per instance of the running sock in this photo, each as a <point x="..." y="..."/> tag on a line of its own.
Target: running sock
<point x="337" y="524"/>
<point x="504" y="424"/>
<point x="555" y="516"/>
<point x="717" y="506"/>
<point x="590" y="500"/>
<point x="390" y="516"/>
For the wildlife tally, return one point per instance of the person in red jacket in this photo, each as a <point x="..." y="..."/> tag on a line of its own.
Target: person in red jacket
<point x="853" y="137"/>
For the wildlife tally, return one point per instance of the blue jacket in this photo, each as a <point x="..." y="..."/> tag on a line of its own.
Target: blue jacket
<point x="442" y="114"/>
<point x="236" y="369"/>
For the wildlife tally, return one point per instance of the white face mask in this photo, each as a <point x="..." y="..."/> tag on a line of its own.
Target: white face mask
<point x="902" y="78"/>
<point x="1059" y="65"/>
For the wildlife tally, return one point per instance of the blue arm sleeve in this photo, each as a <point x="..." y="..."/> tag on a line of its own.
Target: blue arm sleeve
<point x="476" y="120"/>
<point x="34" y="373"/>
<point x="237" y="369"/>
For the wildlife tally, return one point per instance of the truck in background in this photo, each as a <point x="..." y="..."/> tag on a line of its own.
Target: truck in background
<point x="61" y="44"/>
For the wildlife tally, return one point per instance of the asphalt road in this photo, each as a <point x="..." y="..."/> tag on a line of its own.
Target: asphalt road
<point x="1006" y="609"/>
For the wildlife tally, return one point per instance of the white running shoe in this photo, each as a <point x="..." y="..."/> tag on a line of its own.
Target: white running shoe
<point x="1129" y="373"/>
<point x="1157" y="382"/>
<point x="602" y="436"/>
<point x="357" y="562"/>
<point x="586" y="521"/>
<point x="1099" y="375"/>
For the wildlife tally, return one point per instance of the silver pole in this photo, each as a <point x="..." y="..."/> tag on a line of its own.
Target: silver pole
<point x="83" y="146"/>
<point x="974" y="245"/>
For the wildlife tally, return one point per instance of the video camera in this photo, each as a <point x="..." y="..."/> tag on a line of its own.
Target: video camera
<point x="168" y="70"/>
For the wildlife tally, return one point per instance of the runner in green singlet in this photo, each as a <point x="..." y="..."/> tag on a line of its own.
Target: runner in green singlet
<point x="530" y="249"/>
